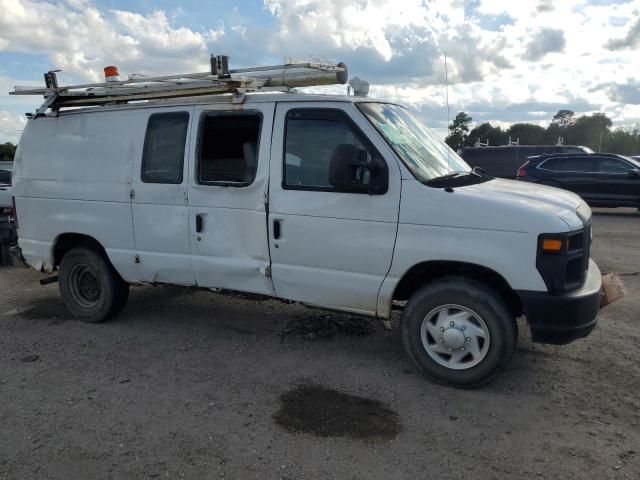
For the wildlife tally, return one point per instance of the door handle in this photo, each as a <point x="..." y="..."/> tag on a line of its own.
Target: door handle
<point x="199" y="223"/>
<point x="276" y="229"/>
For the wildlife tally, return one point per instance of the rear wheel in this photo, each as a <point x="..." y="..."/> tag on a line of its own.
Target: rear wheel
<point x="458" y="332"/>
<point x="90" y="287"/>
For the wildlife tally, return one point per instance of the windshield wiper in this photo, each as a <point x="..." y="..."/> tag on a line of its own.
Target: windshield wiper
<point x="446" y="176"/>
<point x="458" y="178"/>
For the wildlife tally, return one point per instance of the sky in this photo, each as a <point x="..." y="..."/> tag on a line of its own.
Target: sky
<point x="508" y="60"/>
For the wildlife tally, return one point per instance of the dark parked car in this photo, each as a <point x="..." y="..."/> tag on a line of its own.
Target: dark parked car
<point x="504" y="161"/>
<point x="602" y="179"/>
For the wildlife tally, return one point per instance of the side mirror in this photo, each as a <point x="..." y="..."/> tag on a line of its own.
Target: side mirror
<point x="634" y="173"/>
<point x="354" y="169"/>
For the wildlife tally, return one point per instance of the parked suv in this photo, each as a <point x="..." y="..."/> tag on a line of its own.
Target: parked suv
<point x="339" y="202"/>
<point x="504" y="161"/>
<point x="601" y="179"/>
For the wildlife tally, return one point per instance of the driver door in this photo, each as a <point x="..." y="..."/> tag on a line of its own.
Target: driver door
<point x="329" y="246"/>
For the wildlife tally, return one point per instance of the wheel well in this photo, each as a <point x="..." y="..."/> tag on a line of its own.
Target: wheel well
<point x="423" y="273"/>
<point x="67" y="241"/>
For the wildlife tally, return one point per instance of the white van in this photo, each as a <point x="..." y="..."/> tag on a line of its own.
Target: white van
<point x="339" y="202"/>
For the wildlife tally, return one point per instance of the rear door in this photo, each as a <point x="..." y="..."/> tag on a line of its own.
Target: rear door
<point x="328" y="247"/>
<point x="227" y="194"/>
<point x="159" y="199"/>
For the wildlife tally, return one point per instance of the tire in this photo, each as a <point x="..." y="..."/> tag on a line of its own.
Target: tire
<point x="482" y="342"/>
<point x="121" y="300"/>
<point x="90" y="287"/>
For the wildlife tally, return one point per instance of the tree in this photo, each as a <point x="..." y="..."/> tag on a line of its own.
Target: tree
<point x="625" y="141"/>
<point x="487" y="133"/>
<point x="594" y="131"/>
<point x="589" y="130"/>
<point x="7" y="152"/>
<point x="527" y="133"/>
<point x="564" y="118"/>
<point x="458" y="131"/>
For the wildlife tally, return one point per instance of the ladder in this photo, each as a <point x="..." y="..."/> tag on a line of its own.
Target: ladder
<point x="220" y="79"/>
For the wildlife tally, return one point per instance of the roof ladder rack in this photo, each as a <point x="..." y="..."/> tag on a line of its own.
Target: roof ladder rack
<point x="220" y="79"/>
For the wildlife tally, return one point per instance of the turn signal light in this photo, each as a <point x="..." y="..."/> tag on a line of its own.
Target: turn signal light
<point x="551" y="245"/>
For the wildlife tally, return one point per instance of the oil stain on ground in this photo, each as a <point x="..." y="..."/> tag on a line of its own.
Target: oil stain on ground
<point x="325" y="412"/>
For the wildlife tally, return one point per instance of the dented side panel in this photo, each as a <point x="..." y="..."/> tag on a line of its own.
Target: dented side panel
<point x="231" y="250"/>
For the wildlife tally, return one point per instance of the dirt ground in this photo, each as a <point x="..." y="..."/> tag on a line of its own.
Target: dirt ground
<point x="192" y="384"/>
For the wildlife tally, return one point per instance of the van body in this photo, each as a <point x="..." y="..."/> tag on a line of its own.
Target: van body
<point x="504" y="161"/>
<point x="338" y="202"/>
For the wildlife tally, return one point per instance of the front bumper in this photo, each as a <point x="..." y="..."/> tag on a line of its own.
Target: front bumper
<point x="563" y="318"/>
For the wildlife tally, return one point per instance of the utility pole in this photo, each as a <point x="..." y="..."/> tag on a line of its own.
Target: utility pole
<point x="600" y="144"/>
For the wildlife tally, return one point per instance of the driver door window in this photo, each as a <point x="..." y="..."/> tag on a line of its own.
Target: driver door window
<point x="317" y="138"/>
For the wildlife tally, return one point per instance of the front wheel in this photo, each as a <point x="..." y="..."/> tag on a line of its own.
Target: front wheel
<point x="90" y="287"/>
<point x="458" y="332"/>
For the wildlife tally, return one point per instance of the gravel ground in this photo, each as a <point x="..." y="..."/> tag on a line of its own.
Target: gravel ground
<point x="188" y="383"/>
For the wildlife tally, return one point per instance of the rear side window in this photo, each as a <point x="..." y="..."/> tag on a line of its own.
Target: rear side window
<point x="228" y="152"/>
<point x="164" y="145"/>
<point x="612" y="165"/>
<point x="569" y="164"/>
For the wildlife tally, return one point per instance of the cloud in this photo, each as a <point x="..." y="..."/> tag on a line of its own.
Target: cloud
<point x="547" y="40"/>
<point x="626" y="93"/>
<point x="630" y="40"/>
<point x="83" y="39"/>
<point x="391" y="45"/>
<point x="11" y="126"/>
<point x="498" y="63"/>
<point x="545" y="6"/>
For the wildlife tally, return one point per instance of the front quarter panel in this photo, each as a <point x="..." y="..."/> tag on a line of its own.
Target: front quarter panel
<point x="439" y="226"/>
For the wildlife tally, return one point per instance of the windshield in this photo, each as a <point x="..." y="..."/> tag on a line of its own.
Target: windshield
<point x="421" y="150"/>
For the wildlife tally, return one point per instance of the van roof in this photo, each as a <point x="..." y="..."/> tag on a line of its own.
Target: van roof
<point x="230" y="99"/>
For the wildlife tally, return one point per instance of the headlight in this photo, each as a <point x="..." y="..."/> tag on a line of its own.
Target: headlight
<point x="563" y="259"/>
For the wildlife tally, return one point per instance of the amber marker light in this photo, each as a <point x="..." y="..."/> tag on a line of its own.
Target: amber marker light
<point x="551" y="245"/>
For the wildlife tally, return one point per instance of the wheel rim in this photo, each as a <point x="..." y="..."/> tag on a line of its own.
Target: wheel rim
<point x="455" y="336"/>
<point x="84" y="285"/>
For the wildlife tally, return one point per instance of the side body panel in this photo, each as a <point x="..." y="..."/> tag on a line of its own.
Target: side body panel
<point x="72" y="174"/>
<point x="160" y="215"/>
<point x="232" y="250"/>
<point x="439" y="226"/>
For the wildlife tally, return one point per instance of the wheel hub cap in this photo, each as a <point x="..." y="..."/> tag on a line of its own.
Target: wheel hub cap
<point x="84" y="285"/>
<point x="455" y="336"/>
